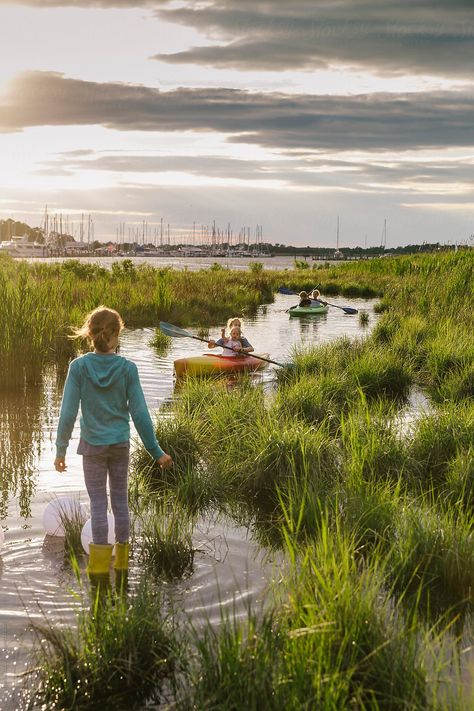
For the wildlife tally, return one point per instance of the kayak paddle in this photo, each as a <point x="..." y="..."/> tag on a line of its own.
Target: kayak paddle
<point x="177" y="332"/>
<point x="346" y="309"/>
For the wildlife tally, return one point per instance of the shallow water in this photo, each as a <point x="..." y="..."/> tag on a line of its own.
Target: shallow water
<point x="230" y="569"/>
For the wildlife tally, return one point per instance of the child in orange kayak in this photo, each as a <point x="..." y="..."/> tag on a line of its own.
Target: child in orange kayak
<point x="233" y="321"/>
<point x="237" y="342"/>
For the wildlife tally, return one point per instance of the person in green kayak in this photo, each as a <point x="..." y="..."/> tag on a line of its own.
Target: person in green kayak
<point x="304" y="299"/>
<point x="236" y="341"/>
<point x="315" y="300"/>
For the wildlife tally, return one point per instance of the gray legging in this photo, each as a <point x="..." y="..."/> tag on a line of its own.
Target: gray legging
<point x="97" y="462"/>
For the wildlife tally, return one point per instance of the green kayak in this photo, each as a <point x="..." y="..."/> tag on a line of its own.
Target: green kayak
<point x="308" y="310"/>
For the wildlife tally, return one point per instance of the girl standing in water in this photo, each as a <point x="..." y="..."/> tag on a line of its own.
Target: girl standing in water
<point x="107" y="388"/>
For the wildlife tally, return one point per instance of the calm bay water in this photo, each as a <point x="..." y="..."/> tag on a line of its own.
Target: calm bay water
<point x="230" y="568"/>
<point x="194" y="263"/>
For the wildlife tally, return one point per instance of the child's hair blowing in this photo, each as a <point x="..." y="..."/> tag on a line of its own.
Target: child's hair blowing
<point x="100" y="326"/>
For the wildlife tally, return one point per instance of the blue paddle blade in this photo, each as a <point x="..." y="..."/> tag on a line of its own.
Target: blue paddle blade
<point x="174" y="331"/>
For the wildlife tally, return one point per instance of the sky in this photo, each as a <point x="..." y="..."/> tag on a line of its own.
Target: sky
<point x="289" y="115"/>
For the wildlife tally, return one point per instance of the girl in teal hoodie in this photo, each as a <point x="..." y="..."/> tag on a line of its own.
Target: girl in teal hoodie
<point x="107" y="388"/>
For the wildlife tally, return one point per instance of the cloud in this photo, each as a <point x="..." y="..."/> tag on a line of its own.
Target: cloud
<point x="214" y="166"/>
<point x="383" y="36"/>
<point x="104" y="4"/>
<point x="285" y="122"/>
<point x="406" y="177"/>
<point x="433" y="37"/>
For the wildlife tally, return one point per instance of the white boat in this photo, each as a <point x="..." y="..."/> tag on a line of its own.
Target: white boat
<point x="21" y="247"/>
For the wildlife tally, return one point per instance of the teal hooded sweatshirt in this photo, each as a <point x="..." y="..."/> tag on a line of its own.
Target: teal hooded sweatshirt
<point x="107" y="388"/>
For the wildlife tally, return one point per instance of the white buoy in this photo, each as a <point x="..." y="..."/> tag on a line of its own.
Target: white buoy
<point x="86" y="533"/>
<point x="64" y="507"/>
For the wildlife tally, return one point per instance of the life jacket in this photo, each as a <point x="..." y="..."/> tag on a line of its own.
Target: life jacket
<point x="230" y="343"/>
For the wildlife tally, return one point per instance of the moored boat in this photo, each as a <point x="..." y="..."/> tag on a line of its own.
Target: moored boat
<point x="22" y="247"/>
<point x="308" y="310"/>
<point x="211" y="364"/>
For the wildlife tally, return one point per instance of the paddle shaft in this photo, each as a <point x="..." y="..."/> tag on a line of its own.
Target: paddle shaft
<point x="229" y="348"/>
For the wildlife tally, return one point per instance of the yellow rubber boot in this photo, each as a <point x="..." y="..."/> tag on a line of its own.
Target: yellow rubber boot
<point x="121" y="556"/>
<point x="100" y="557"/>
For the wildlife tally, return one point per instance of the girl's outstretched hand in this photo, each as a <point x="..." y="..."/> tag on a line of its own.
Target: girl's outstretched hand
<point x="165" y="461"/>
<point x="60" y="464"/>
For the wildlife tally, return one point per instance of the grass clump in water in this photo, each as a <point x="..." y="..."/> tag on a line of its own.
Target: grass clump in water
<point x="165" y="540"/>
<point x="118" y="657"/>
<point x="161" y="342"/>
<point x="73" y="522"/>
<point x="178" y="440"/>
<point x="364" y="318"/>
<point x="316" y="399"/>
<point x="378" y="372"/>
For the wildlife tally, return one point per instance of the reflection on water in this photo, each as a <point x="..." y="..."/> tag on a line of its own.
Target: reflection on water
<point x="22" y="423"/>
<point x="230" y="568"/>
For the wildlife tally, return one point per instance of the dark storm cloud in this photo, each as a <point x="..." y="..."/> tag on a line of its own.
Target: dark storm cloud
<point x="305" y="122"/>
<point x="386" y="36"/>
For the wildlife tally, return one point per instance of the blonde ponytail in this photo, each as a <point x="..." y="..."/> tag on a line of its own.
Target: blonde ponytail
<point x="101" y="326"/>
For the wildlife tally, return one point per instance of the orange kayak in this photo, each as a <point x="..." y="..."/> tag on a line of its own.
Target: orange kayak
<point x="210" y="364"/>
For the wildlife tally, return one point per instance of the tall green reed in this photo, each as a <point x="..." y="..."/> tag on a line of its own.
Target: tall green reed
<point x="118" y="657"/>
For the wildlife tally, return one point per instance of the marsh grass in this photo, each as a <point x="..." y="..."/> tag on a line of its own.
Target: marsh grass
<point x="316" y="399"/>
<point x="434" y="555"/>
<point x="231" y="670"/>
<point x="117" y="658"/>
<point x="451" y="349"/>
<point x="203" y="332"/>
<point x="285" y="450"/>
<point x="367" y="641"/>
<point x="457" y="385"/>
<point x="335" y="640"/>
<point x="165" y="540"/>
<point x="188" y="479"/>
<point x="177" y="438"/>
<point x="39" y="302"/>
<point x="160" y="342"/>
<point x="372" y="448"/>
<point x="364" y="318"/>
<point x="72" y="522"/>
<point x="438" y="439"/>
<point x="381" y="306"/>
<point x="460" y="479"/>
<point x="378" y="372"/>
<point x="330" y="359"/>
<point x="369" y="513"/>
<point x="374" y="517"/>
